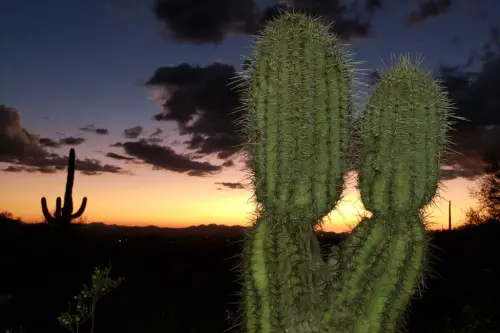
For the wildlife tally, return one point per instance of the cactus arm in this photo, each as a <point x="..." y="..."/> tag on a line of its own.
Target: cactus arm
<point x="408" y="116"/>
<point x="256" y="282"/>
<point x="81" y="209"/>
<point x="46" y="212"/>
<point x="58" y="212"/>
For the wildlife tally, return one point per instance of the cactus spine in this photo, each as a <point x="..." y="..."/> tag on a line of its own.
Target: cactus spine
<point x="298" y="124"/>
<point x="64" y="215"/>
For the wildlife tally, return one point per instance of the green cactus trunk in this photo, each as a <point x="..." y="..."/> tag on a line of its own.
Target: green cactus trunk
<point x="281" y="275"/>
<point x="299" y="127"/>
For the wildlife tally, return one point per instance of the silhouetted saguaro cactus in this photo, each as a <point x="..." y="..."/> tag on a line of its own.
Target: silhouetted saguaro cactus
<point x="64" y="215"/>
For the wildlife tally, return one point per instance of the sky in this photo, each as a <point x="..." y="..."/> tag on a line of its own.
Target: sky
<point x="140" y="90"/>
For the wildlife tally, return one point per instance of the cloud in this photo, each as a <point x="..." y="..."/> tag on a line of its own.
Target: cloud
<point x="373" y="5"/>
<point x="222" y="144"/>
<point x="211" y="21"/>
<point x="473" y="144"/>
<point x="158" y="132"/>
<point x="25" y="152"/>
<point x="71" y="141"/>
<point x="119" y="157"/>
<point x="22" y="168"/>
<point x="154" y="140"/>
<point x="68" y="141"/>
<point x="427" y="9"/>
<point x="49" y="143"/>
<point x="233" y="186"/>
<point x="165" y="158"/>
<point x="54" y="163"/>
<point x="201" y="102"/>
<point x="15" y="141"/>
<point x="200" y="21"/>
<point x="93" y="129"/>
<point x="133" y="133"/>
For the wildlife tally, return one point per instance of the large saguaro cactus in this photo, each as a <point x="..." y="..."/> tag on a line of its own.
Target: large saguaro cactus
<point x="64" y="216"/>
<point x="299" y="126"/>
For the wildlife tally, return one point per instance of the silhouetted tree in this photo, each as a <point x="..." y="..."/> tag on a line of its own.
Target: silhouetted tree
<point x="6" y="215"/>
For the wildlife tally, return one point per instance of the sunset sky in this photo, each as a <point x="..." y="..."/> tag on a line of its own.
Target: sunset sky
<point x="73" y="74"/>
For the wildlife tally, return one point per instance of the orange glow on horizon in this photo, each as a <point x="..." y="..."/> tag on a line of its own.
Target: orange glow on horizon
<point x="166" y="199"/>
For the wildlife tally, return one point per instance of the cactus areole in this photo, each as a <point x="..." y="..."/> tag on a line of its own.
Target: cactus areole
<point x="298" y="126"/>
<point x="63" y="216"/>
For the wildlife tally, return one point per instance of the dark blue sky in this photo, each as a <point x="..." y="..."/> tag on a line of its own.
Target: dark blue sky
<point x="78" y="62"/>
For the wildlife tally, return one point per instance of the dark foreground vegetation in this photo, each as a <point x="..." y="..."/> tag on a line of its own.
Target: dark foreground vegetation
<point x="185" y="280"/>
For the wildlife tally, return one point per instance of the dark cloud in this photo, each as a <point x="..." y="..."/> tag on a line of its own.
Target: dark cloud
<point x="154" y="140"/>
<point x="158" y="132"/>
<point x="93" y="167"/>
<point x="426" y="9"/>
<point x="133" y="133"/>
<point x="162" y="157"/>
<point x="49" y="143"/>
<point x="475" y="92"/>
<point x="211" y="21"/>
<point x="101" y="131"/>
<point x="71" y="141"/>
<point x="200" y="21"/>
<point x="202" y="103"/>
<point x="119" y="157"/>
<point x="22" y="168"/>
<point x="472" y="146"/>
<point x="203" y="93"/>
<point x="373" y="5"/>
<point x="93" y="129"/>
<point x="217" y="143"/>
<point x="15" y="141"/>
<point x="233" y="186"/>
<point x="476" y="98"/>
<point x="68" y="141"/>
<point x="54" y="162"/>
<point x="25" y="152"/>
